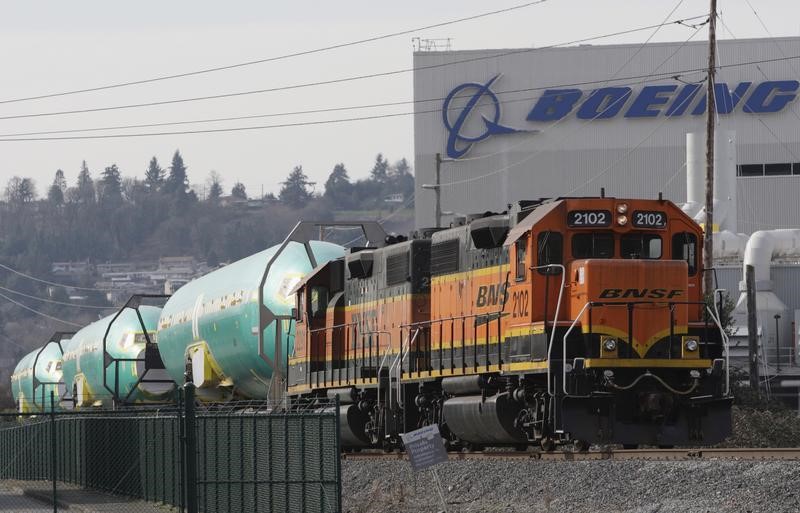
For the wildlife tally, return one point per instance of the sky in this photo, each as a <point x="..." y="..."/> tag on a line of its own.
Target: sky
<point x="52" y="46"/>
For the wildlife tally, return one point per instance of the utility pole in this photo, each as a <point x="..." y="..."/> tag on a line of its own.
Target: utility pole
<point x="752" y="328"/>
<point x="711" y="108"/>
<point x="438" y="190"/>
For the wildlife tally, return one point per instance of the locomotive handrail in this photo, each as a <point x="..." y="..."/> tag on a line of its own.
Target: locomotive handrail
<point x="398" y="362"/>
<point x="564" y="351"/>
<point x="726" y="344"/>
<point x="555" y="320"/>
<point x="630" y="304"/>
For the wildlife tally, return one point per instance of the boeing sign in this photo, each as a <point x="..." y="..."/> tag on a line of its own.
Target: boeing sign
<point x="667" y="100"/>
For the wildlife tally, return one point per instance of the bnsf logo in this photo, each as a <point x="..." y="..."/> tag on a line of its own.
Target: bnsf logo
<point x="640" y="293"/>
<point x="490" y="295"/>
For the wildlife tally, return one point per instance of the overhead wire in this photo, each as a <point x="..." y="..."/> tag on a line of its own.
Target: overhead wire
<point x="278" y="57"/>
<point x="616" y="73"/>
<point x="567" y="136"/>
<point x="47" y="282"/>
<point x="333" y="81"/>
<point x="56" y="302"/>
<point x="37" y="312"/>
<point x="671" y="74"/>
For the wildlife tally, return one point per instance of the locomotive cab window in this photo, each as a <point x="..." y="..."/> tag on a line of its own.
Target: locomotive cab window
<point x="522" y="250"/>
<point x="684" y="247"/>
<point x="593" y="245"/>
<point x="550" y="251"/>
<point x="641" y="245"/>
<point x="319" y="301"/>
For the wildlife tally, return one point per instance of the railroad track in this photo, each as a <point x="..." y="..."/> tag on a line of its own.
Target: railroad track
<point x="759" y="454"/>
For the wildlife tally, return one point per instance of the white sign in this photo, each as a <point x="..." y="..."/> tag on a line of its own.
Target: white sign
<point x="424" y="447"/>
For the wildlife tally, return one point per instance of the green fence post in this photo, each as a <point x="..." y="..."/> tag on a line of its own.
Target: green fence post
<point x="338" y="455"/>
<point x="53" y="447"/>
<point x="191" y="451"/>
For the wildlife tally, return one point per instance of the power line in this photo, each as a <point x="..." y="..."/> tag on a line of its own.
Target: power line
<point x="54" y="302"/>
<point x="40" y="280"/>
<point x="37" y="312"/>
<point x="671" y="74"/>
<point x="332" y="81"/>
<point x="581" y="127"/>
<point x="276" y="58"/>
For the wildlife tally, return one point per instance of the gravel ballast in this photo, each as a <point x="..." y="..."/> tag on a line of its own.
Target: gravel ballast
<point x="508" y="485"/>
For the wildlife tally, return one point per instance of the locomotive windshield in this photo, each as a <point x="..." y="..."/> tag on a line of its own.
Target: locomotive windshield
<point x="593" y="245"/>
<point x="638" y="245"/>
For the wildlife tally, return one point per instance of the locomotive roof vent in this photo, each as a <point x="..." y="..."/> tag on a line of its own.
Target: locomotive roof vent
<point x="360" y="264"/>
<point x="425" y="233"/>
<point x="489" y="232"/>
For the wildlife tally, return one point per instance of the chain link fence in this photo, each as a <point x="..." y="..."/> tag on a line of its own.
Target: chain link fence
<point x="184" y="457"/>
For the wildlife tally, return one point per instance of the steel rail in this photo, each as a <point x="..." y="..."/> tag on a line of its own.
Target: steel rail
<point x="716" y="453"/>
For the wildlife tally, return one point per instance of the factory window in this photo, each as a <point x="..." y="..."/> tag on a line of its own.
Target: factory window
<point x="777" y="169"/>
<point x="550" y="251"/>
<point x="638" y="245"/>
<point x="684" y="247"/>
<point x="751" y="170"/>
<point x="773" y="169"/>
<point x="593" y="245"/>
<point x="522" y="251"/>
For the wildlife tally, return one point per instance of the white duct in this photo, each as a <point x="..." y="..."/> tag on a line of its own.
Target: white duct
<point x="762" y="248"/>
<point x="724" y="179"/>
<point x="729" y="246"/>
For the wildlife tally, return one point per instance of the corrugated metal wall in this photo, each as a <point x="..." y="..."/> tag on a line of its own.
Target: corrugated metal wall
<point x="629" y="157"/>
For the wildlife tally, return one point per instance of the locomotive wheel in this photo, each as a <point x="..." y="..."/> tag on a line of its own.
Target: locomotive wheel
<point x="581" y="446"/>
<point x="547" y="444"/>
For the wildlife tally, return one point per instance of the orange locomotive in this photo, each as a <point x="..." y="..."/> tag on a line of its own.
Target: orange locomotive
<point x="573" y="319"/>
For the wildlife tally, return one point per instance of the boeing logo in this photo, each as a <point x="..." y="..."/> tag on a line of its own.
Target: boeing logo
<point x="669" y="100"/>
<point x="459" y="143"/>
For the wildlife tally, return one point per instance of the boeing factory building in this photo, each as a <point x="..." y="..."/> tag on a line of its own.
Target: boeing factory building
<point x="530" y="123"/>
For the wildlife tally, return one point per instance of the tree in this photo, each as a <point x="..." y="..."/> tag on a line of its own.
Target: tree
<point x="55" y="194"/>
<point x="85" y="185"/>
<point x="154" y="176"/>
<point x="380" y="170"/>
<point x="111" y="185"/>
<point x="338" y="189"/>
<point x="214" y="184"/>
<point x="238" y="191"/>
<point x="294" y="191"/>
<point x="177" y="182"/>
<point x="20" y="190"/>
<point x="401" y="179"/>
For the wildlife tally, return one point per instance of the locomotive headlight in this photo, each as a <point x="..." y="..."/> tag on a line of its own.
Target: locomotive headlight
<point x="694" y="373"/>
<point x="610" y="344"/>
<point x="691" y="345"/>
<point x="622" y="208"/>
<point x="622" y="220"/>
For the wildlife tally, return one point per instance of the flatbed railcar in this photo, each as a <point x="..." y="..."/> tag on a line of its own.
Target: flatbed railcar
<point x="564" y="320"/>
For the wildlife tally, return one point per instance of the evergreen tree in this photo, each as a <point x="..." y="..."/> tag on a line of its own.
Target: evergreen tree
<point x="214" y="184"/>
<point x="111" y="185"/>
<point x="238" y="191"/>
<point x="338" y="189"/>
<point x="380" y="170"/>
<point x="295" y="191"/>
<point x="85" y="185"/>
<point x="154" y="176"/>
<point x="55" y="194"/>
<point x="177" y="183"/>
